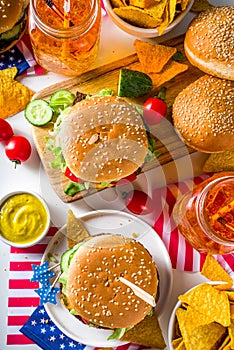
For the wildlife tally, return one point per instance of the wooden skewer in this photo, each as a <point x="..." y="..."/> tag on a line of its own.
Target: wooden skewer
<point x="54" y="266"/>
<point x="225" y="223"/>
<point x="149" y="299"/>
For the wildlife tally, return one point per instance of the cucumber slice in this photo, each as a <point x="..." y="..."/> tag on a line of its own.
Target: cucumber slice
<point x="38" y="112"/>
<point x="133" y="83"/>
<point x="61" y="99"/>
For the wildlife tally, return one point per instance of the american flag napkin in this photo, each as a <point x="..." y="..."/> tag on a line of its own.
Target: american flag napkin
<point x="21" y="57"/>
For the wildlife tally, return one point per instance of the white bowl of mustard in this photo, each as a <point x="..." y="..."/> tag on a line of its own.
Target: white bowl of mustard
<point x="24" y="219"/>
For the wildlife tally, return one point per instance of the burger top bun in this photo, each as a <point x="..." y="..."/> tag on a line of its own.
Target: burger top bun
<point x="103" y="139"/>
<point x="93" y="285"/>
<point x="209" y="42"/>
<point x="203" y="114"/>
<point x="10" y="11"/>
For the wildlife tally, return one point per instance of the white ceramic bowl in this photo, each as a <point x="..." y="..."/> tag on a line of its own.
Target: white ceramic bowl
<point x="172" y="321"/>
<point x="143" y="32"/>
<point x="37" y="238"/>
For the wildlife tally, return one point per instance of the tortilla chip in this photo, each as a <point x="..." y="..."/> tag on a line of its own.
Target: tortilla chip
<point x="230" y="295"/>
<point x="215" y="272"/>
<point x="165" y="20"/>
<point x="216" y="162"/>
<point x="144" y="4"/>
<point x="204" y="337"/>
<point x="76" y="231"/>
<point x="195" y="318"/>
<point x="14" y="96"/>
<point x="171" y="70"/>
<point x="231" y="333"/>
<point x="147" y="333"/>
<point x="137" y="16"/>
<point x="201" y="5"/>
<point x="231" y="311"/>
<point x="177" y="342"/>
<point x="117" y="3"/>
<point x="153" y="57"/>
<point x="172" y="10"/>
<point x="209" y="301"/>
<point x="225" y="344"/>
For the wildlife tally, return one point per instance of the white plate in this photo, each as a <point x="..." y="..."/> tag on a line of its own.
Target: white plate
<point x="115" y="222"/>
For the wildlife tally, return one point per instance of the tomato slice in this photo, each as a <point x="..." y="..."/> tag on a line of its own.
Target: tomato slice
<point x="71" y="176"/>
<point x="125" y="180"/>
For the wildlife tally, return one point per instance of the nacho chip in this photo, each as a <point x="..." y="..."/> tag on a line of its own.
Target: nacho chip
<point x="216" y="162"/>
<point x="195" y="318"/>
<point x="76" y="231"/>
<point x="204" y="337"/>
<point x="201" y="5"/>
<point x="165" y="20"/>
<point x="137" y="16"/>
<point x="118" y="3"/>
<point x="176" y="342"/>
<point x="153" y="57"/>
<point x="172" y="10"/>
<point x="171" y="70"/>
<point x="144" y="4"/>
<point x="225" y="344"/>
<point x="230" y="295"/>
<point x="209" y="301"/>
<point x="231" y="333"/>
<point x="14" y="96"/>
<point x="215" y="272"/>
<point x="231" y="311"/>
<point x="147" y="332"/>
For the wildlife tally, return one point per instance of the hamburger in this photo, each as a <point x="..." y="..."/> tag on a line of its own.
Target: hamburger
<point x="13" y="22"/>
<point x="103" y="139"/>
<point x="209" y="42"/>
<point x="92" y="289"/>
<point x="203" y="114"/>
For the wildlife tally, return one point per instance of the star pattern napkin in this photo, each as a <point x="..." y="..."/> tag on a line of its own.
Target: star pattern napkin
<point x="43" y="332"/>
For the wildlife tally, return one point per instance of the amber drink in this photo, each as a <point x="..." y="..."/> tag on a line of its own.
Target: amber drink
<point x="205" y="216"/>
<point x="65" y="44"/>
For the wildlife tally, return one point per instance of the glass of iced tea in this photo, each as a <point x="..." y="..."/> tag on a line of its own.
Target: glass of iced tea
<point x="205" y="216"/>
<point x="65" y="42"/>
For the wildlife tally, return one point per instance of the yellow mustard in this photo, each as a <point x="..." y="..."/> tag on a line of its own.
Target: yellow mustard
<point x="23" y="218"/>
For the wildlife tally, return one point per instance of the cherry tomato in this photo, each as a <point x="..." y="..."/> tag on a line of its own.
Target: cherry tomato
<point x="71" y="176"/>
<point x="154" y="110"/>
<point x="6" y="131"/>
<point x="138" y="202"/>
<point x="18" y="149"/>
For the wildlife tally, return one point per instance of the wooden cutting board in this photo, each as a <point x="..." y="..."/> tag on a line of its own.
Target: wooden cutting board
<point x="106" y="77"/>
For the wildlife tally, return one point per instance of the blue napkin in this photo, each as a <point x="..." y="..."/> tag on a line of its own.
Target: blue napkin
<point x="40" y="329"/>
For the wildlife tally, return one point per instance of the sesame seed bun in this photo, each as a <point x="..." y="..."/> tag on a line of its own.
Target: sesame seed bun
<point x="93" y="285"/>
<point x="103" y="139"/>
<point x="203" y="114"/>
<point x="209" y="42"/>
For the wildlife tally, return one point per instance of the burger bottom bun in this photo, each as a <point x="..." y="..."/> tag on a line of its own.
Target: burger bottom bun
<point x="93" y="285"/>
<point x="203" y="114"/>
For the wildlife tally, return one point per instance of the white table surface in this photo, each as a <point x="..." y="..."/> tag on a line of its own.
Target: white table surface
<point x="30" y="175"/>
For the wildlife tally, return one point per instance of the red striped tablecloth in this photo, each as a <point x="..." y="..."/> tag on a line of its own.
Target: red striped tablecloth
<point x="22" y="299"/>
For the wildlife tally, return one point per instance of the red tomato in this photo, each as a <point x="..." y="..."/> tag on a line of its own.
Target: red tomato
<point x="6" y="131"/>
<point x="154" y="110"/>
<point x="138" y="202"/>
<point x="71" y="176"/>
<point x="18" y="149"/>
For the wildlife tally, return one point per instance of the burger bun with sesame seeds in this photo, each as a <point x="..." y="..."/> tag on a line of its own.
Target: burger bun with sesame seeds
<point x="94" y="290"/>
<point x="209" y="42"/>
<point x="203" y="114"/>
<point x="103" y="139"/>
<point x="13" y="22"/>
